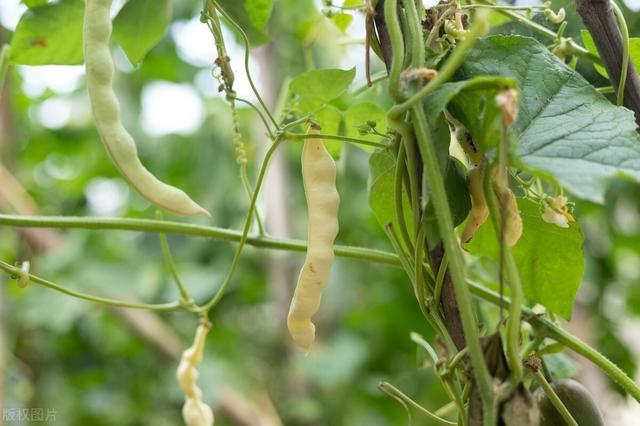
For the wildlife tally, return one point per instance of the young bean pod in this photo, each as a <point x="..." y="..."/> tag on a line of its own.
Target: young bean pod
<point x="479" y="209"/>
<point x="319" y="178"/>
<point x="194" y="411"/>
<point x="106" y="110"/>
<point x="509" y="205"/>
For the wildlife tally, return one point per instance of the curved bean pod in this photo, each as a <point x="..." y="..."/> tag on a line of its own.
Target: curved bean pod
<point x="194" y="411"/>
<point x="509" y="205"/>
<point x="319" y="177"/>
<point x="479" y="209"/>
<point x="106" y="110"/>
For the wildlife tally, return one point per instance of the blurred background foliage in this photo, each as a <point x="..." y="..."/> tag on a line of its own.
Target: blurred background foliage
<point x="103" y="366"/>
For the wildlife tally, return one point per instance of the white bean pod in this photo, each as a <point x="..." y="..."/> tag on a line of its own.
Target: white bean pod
<point x="106" y="110"/>
<point x="194" y="411"/>
<point x="319" y="178"/>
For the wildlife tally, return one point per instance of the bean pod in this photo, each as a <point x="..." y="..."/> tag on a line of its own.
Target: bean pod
<point x="194" y="411"/>
<point x="509" y="205"/>
<point x="319" y="178"/>
<point x="479" y="209"/>
<point x="106" y="110"/>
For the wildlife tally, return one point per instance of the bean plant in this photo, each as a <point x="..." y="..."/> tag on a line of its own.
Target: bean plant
<point x="486" y="131"/>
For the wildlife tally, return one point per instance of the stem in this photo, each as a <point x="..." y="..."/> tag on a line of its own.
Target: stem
<point x="531" y="347"/>
<point x="294" y="136"/>
<point x="457" y="358"/>
<point x="388" y="386"/>
<point x="249" y="191"/>
<point x="605" y="90"/>
<point x="402" y="223"/>
<point x="500" y="7"/>
<point x="221" y="49"/>
<point x="418" y="257"/>
<point x="624" y="31"/>
<point x="456" y="262"/>
<point x="415" y="34"/>
<point x="241" y="156"/>
<point x="245" y="40"/>
<point x="446" y="408"/>
<point x="177" y="228"/>
<point x="553" y="397"/>
<point x="397" y="46"/>
<point x="376" y="78"/>
<point x="260" y="114"/>
<point x="442" y="270"/>
<point x="4" y="63"/>
<point x="168" y="260"/>
<point x="412" y="164"/>
<point x="420" y="341"/>
<point x="245" y="232"/>
<point x="17" y="272"/>
<point x="400" y="401"/>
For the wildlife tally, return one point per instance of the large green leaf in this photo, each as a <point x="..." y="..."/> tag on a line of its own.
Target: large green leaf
<point x="140" y="24"/>
<point x="565" y="128"/>
<point x="549" y="258"/>
<point x="50" y="35"/>
<point x="251" y="15"/>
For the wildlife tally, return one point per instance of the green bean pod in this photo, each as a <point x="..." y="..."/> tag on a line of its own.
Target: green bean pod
<point x="106" y="110"/>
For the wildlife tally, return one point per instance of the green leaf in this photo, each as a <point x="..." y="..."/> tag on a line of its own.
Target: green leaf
<point x="251" y="15"/>
<point x="49" y="35"/>
<point x="329" y="118"/>
<point x="634" y="51"/>
<point x="467" y="101"/>
<point x="359" y="114"/>
<point x="561" y="366"/>
<point x="480" y="115"/>
<point x="322" y="85"/>
<point x="565" y="128"/>
<point x="139" y="25"/>
<point x="34" y="3"/>
<point x="549" y="258"/>
<point x="440" y="98"/>
<point x="342" y="21"/>
<point x="382" y="167"/>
